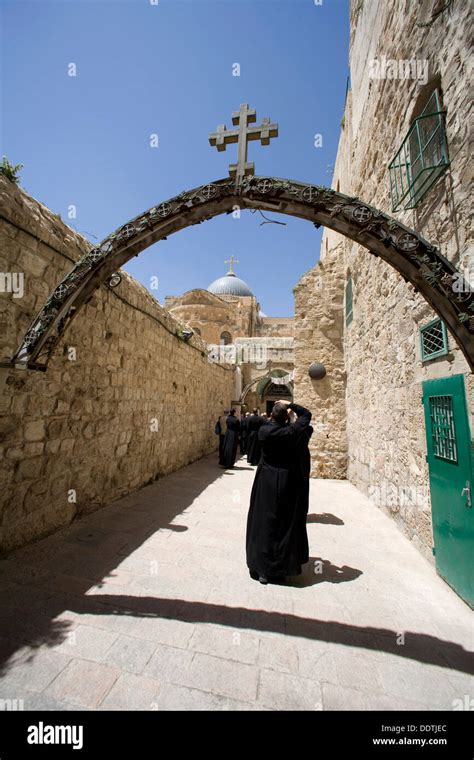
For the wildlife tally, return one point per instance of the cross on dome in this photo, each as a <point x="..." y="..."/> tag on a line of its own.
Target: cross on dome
<point x="231" y="261"/>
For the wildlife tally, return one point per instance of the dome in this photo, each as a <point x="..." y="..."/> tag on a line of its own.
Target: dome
<point x="229" y="285"/>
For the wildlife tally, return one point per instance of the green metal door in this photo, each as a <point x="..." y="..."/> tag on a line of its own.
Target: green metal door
<point x="450" y="468"/>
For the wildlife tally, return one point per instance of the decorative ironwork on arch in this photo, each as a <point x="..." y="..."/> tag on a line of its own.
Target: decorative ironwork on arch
<point x="418" y="262"/>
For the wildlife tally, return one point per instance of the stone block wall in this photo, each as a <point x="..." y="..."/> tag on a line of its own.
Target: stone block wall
<point x="385" y="421"/>
<point x="318" y="338"/>
<point x="275" y="326"/>
<point x="134" y="404"/>
<point x="214" y="314"/>
<point x="371" y="398"/>
<point x="319" y="331"/>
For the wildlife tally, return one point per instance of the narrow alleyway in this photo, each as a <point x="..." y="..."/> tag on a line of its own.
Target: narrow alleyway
<point x="147" y="604"/>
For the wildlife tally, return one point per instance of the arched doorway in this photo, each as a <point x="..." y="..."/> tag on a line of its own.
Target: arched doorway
<point x="273" y="393"/>
<point x="276" y="385"/>
<point x="263" y="391"/>
<point x="418" y="262"/>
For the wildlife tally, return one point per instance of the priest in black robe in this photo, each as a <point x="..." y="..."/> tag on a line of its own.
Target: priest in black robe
<point x="277" y="541"/>
<point x="243" y="433"/>
<point x="231" y="441"/>
<point x="302" y="462"/>
<point x="222" y="423"/>
<point x="255" y="422"/>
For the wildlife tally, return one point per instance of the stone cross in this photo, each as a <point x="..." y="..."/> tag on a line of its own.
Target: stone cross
<point x="231" y="261"/>
<point x="242" y="118"/>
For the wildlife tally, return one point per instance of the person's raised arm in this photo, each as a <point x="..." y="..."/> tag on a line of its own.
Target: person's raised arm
<point x="302" y="421"/>
<point x="300" y="411"/>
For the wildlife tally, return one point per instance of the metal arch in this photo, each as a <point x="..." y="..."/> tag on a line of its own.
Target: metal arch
<point x="418" y="262"/>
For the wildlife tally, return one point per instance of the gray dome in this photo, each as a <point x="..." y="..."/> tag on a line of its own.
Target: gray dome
<point x="229" y="285"/>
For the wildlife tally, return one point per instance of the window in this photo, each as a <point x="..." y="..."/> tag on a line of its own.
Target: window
<point x="226" y="339"/>
<point x="422" y="158"/>
<point x="434" y="340"/>
<point x="349" y="309"/>
<point x="442" y="426"/>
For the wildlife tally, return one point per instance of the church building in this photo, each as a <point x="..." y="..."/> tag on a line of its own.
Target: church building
<point x="227" y="314"/>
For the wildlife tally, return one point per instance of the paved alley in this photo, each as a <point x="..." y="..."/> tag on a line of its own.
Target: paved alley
<point x="148" y="605"/>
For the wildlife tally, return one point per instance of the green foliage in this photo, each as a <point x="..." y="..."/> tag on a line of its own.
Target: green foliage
<point x="10" y="171"/>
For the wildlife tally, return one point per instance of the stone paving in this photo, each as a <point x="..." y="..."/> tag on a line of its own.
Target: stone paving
<point x="148" y="605"/>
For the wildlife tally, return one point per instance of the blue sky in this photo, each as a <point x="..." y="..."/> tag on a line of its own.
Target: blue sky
<point x="167" y="69"/>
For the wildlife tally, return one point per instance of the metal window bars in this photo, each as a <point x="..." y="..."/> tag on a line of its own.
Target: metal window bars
<point x="434" y="340"/>
<point x="443" y="432"/>
<point x="422" y="158"/>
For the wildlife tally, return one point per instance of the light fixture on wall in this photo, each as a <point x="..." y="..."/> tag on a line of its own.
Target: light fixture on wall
<point x="114" y="280"/>
<point x="316" y="371"/>
<point x="185" y="334"/>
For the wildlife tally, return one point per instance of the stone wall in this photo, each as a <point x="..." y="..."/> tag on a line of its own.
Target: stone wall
<point x="203" y="311"/>
<point x="123" y="402"/>
<point x="276" y="326"/>
<point x="375" y="361"/>
<point x="385" y="421"/>
<point x="214" y="314"/>
<point x="318" y="338"/>
<point x="319" y="329"/>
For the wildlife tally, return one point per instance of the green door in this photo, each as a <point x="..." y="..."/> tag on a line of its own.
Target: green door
<point x="449" y="460"/>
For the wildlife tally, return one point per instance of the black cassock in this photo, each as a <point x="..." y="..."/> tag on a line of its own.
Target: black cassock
<point x="302" y="462"/>
<point x="243" y="435"/>
<point x="277" y="541"/>
<point x="231" y="440"/>
<point x="254" y="423"/>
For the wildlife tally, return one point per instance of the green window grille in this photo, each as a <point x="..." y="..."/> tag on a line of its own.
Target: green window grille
<point x="443" y="432"/>
<point x="434" y="340"/>
<point x="349" y="306"/>
<point x="422" y="158"/>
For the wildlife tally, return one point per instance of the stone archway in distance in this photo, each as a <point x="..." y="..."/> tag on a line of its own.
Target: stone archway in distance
<point x="417" y="261"/>
<point x="246" y="390"/>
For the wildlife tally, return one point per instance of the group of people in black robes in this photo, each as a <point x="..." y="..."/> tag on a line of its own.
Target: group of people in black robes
<point x="244" y="432"/>
<point x="228" y="427"/>
<point x="253" y="423"/>
<point x="276" y="540"/>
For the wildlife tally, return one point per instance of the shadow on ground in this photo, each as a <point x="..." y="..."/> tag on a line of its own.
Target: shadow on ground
<point x="325" y="519"/>
<point x="43" y="580"/>
<point x="323" y="571"/>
